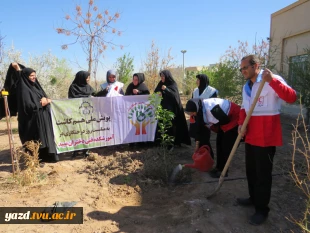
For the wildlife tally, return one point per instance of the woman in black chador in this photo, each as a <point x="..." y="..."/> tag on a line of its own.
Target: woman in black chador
<point x="171" y="101"/>
<point x="80" y="88"/>
<point x="137" y="87"/>
<point x="34" y="119"/>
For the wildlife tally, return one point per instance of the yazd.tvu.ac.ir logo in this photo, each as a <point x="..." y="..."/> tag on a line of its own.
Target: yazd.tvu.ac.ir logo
<point x="139" y="115"/>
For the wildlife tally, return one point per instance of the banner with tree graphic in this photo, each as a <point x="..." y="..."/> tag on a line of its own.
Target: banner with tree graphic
<point x="84" y="123"/>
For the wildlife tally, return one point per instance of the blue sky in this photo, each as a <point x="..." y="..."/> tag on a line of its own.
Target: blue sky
<point x="202" y="27"/>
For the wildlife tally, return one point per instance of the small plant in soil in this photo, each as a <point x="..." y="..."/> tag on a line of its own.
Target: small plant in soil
<point x="159" y="162"/>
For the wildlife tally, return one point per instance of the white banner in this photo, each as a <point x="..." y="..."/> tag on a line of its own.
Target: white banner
<point x="83" y="123"/>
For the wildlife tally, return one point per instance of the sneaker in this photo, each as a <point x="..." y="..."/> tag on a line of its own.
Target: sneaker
<point x="217" y="174"/>
<point x="244" y="201"/>
<point x="258" y="218"/>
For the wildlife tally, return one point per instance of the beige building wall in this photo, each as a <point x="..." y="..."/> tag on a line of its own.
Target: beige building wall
<point x="289" y="33"/>
<point x="193" y="68"/>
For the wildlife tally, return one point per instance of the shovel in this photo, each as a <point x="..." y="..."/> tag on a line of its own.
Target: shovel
<point x="9" y="127"/>
<point x="233" y="150"/>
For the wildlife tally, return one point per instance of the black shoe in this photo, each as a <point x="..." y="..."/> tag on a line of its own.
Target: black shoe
<point x="258" y="218"/>
<point x="244" y="201"/>
<point x="56" y="157"/>
<point x="217" y="174"/>
<point x="214" y="170"/>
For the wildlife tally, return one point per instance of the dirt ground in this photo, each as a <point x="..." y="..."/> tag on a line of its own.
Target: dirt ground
<point x="116" y="198"/>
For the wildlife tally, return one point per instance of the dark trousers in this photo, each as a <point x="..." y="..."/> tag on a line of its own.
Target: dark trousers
<point x="205" y="134"/>
<point x="224" y="143"/>
<point x="205" y="139"/>
<point x="259" y="161"/>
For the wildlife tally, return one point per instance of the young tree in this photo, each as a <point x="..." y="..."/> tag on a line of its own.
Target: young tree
<point x="53" y="74"/>
<point x="236" y="54"/>
<point x="125" y="68"/>
<point x="222" y="76"/>
<point x="153" y="64"/>
<point x="90" y="28"/>
<point x="300" y="172"/>
<point x="226" y="76"/>
<point x="8" y="56"/>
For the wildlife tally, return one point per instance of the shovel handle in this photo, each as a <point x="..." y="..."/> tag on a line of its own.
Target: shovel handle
<point x="244" y="125"/>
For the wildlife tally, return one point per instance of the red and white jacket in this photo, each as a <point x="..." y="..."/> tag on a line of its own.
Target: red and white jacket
<point x="264" y="126"/>
<point x="207" y="93"/>
<point x="229" y="108"/>
<point x="114" y="88"/>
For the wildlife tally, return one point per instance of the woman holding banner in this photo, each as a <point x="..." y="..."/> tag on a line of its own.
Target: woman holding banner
<point x="137" y="87"/>
<point x="78" y="89"/>
<point x="34" y="119"/>
<point x="112" y="87"/>
<point x="80" y="86"/>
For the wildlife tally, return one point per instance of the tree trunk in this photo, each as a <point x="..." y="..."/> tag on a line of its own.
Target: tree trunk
<point x="90" y="55"/>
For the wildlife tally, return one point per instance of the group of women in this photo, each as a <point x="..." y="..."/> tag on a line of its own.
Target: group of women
<point x="207" y="112"/>
<point x="34" y="119"/>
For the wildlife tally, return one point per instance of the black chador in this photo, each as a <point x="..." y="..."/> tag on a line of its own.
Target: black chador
<point x="141" y="87"/>
<point x="172" y="102"/>
<point x="34" y="120"/>
<point x="79" y="87"/>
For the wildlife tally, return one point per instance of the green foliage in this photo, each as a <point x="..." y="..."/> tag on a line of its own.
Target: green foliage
<point x="224" y="76"/>
<point x="190" y="80"/>
<point x="160" y="164"/>
<point x="54" y="74"/>
<point x="125" y="67"/>
<point x="299" y="79"/>
<point x="164" y="121"/>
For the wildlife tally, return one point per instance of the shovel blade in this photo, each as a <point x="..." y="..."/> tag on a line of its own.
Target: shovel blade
<point x="174" y="173"/>
<point x="217" y="187"/>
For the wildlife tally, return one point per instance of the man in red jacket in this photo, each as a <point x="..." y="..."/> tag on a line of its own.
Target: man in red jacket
<point x="263" y="132"/>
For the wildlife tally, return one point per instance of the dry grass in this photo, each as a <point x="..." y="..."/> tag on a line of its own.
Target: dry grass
<point x="27" y="169"/>
<point x="301" y="170"/>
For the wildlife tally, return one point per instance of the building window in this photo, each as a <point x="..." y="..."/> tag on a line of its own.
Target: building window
<point x="297" y="67"/>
